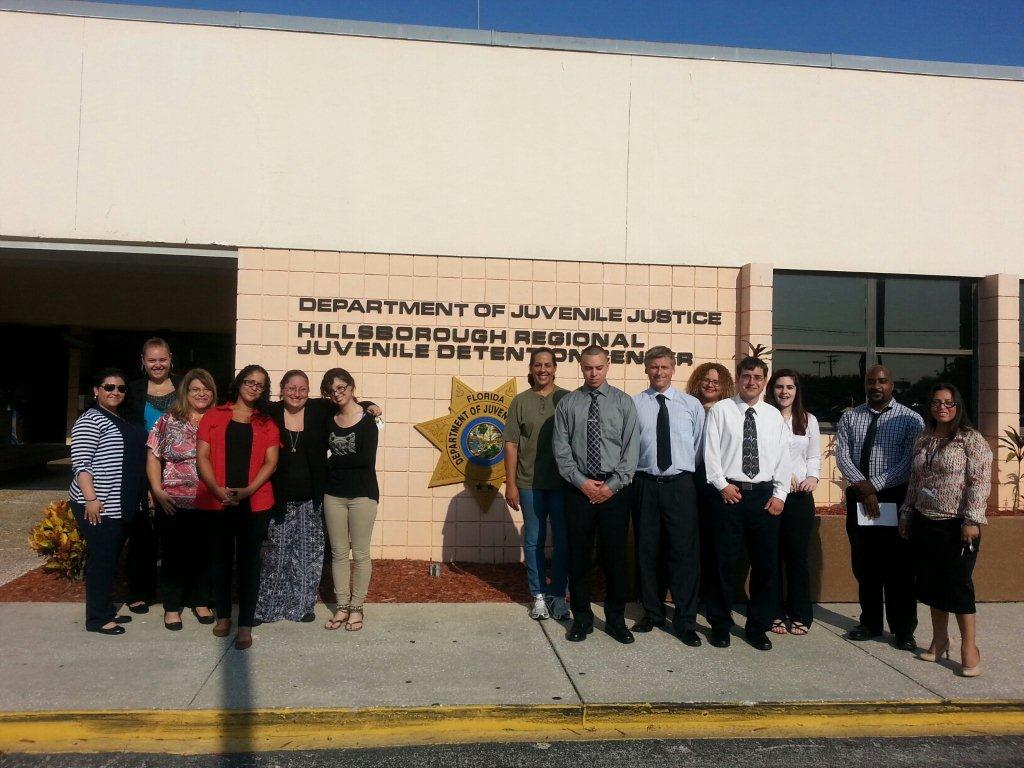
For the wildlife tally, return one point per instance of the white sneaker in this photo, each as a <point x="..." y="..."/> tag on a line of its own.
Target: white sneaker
<point x="557" y="607"/>
<point x="540" y="608"/>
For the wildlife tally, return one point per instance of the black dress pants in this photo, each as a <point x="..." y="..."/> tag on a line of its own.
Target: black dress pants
<point x="103" y="544"/>
<point x="237" y="530"/>
<point x="665" y="520"/>
<point x="185" y="562"/>
<point x="735" y="524"/>
<point x="883" y="565"/>
<point x="142" y="556"/>
<point x="610" y="520"/>
<point x="795" y="526"/>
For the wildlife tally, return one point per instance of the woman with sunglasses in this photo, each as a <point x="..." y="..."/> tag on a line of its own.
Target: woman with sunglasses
<point x="350" y="501"/>
<point x="709" y="383"/>
<point x="294" y="557"/>
<point x="237" y="454"/>
<point x="950" y="482"/>
<point x="174" y="482"/>
<point x="797" y="520"/>
<point x="146" y="401"/>
<point x="107" y="466"/>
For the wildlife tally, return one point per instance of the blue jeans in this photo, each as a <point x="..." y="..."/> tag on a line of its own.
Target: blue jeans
<point x="538" y="507"/>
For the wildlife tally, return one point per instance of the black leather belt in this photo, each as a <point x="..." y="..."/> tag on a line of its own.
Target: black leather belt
<point x="602" y="476"/>
<point x="662" y="479"/>
<point x="746" y="485"/>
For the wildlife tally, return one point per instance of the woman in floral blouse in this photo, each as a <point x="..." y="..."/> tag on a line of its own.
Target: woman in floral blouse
<point x="174" y="479"/>
<point x="950" y="481"/>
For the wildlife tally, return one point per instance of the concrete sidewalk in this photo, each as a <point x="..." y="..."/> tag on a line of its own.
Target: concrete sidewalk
<point x="454" y="658"/>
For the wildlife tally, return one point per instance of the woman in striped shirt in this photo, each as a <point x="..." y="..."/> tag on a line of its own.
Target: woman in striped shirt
<point x="108" y="457"/>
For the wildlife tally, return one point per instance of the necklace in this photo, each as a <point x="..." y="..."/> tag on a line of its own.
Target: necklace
<point x="293" y="439"/>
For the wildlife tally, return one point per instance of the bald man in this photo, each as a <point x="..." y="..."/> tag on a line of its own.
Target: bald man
<point x="874" y="444"/>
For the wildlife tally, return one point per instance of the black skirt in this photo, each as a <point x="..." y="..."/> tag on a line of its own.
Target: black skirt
<point x="943" y="567"/>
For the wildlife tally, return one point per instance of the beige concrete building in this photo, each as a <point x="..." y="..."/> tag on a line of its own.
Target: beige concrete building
<point x="418" y="204"/>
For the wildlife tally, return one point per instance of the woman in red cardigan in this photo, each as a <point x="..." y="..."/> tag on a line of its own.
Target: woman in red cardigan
<point x="237" y="454"/>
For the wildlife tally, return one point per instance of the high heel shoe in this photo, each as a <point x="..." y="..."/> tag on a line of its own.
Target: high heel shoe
<point x="974" y="671"/>
<point x="939" y="653"/>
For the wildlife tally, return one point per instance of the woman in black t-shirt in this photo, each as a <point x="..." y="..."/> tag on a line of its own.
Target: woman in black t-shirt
<point x="350" y="501"/>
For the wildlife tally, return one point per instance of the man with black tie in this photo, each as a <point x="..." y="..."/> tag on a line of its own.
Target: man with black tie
<point x="746" y="457"/>
<point x="874" y="446"/>
<point x="664" y="498"/>
<point x="595" y="446"/>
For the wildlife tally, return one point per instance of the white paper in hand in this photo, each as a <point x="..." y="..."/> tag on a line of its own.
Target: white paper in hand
<point x="888" y="515"/>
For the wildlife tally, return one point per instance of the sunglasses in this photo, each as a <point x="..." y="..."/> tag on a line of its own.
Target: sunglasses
<point x="111" y="387"/>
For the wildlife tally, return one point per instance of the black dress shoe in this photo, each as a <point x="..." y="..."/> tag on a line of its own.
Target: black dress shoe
<point x="118" y="630"/>
<point x="122" y="619"/>
<point x="578" y="633"/>
<point x="860" y="633"/>
<point x="905" y="643"/>
<point x="208" y="619"/>
<point x="690" y="638"/>
<point x="308" y="617"/>
<point x="621" y="634"/>
<point x="144" y="608"/>
<point x="646" y="624"/>
<point x="759" y="640"/>
<point x="174" y="626"/>
<point x="720" y="638"/>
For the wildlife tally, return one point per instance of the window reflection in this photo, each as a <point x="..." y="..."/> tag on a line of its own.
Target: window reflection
<point x="832" y="381"/>
<point x="933" y="314"/>
<point x="914" y="375"/>
<point x="829" y="310"/>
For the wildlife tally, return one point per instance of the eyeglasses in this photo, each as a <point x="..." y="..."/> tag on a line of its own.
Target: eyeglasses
<point x="253" y="384"/>
<point x="711" y="383"/>
<point x="198" y="390"/>
<point x="111" y="387"/>
<point x="297" y="390"/>
<point x="341" y="389"/>
<point x="949" y="405"/>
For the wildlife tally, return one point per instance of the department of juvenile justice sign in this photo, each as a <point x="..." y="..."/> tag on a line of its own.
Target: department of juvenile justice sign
<point x="470" y="437"/>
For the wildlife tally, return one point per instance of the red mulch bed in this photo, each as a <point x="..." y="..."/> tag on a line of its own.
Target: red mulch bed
<point x="394" y="581"/>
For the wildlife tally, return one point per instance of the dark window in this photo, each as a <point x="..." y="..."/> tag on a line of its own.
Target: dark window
<point x="831" y="381"/>
<point x="832" y="327"/>
<point x="820" y="310"/>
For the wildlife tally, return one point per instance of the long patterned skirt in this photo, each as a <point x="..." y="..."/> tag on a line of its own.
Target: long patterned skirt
<point x="292" y="563"/>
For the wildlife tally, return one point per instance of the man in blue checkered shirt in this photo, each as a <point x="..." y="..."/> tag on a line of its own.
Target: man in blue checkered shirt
<point x="874" y="445"/>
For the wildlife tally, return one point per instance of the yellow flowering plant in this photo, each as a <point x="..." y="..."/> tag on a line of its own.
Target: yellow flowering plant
<point x="56" y="538"/>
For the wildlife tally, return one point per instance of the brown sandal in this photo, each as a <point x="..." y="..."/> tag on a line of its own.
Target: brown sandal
<point x="779" y="627"/>
<point x="334" y="622"/>
<point x="354" y="626"/>
<point x="798" y="628"/>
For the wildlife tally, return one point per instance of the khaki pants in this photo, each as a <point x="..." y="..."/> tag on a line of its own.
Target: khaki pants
<point x="349" y="526"/>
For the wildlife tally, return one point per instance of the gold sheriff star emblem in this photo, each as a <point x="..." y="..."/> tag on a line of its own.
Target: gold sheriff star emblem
<point x="470" y="436"/>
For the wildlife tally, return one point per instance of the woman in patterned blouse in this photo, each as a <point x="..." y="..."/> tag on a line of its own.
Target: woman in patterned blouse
<point x="950" y="481"/>
<point x="174" y="480"/>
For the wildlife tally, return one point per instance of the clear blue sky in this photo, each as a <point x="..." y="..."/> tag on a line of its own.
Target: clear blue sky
<point x="978" y="31"/>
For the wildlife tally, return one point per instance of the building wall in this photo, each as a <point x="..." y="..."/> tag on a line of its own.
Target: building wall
<point x="294" y="140"/>
<point x="447" y="522"/>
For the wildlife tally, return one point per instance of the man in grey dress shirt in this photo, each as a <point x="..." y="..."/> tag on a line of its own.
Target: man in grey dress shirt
<point x="664" y="496"/>
<point x="596" y="443"/>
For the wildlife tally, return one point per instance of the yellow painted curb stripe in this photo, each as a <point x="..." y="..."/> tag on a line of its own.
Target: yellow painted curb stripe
<point x="212" y="731"/>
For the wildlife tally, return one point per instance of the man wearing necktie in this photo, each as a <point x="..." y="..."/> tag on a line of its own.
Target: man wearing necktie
<point x="595" y="446"/>
<point x="874" y="447"/>
<point x="746" y="455"/>
<point x="664" y="498"/>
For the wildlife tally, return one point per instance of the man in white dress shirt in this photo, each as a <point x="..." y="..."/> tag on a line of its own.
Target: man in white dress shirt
<point x="746" y="457"/>
<point x="664" y="497"/>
